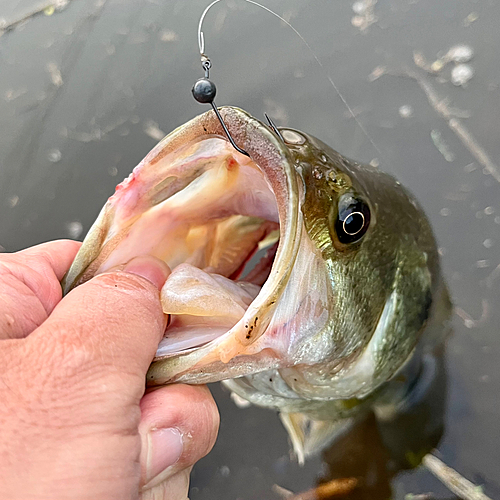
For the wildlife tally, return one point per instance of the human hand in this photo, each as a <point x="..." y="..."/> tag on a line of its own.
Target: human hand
<point x="74" y="420"/>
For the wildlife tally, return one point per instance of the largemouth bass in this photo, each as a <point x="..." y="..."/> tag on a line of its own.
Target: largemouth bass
<point x="308" y="282"/>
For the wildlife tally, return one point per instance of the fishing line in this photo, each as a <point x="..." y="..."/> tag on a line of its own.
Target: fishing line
<point x="201" y="46"/>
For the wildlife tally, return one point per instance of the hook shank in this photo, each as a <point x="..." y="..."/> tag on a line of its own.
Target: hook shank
<point x="231" y="140"/>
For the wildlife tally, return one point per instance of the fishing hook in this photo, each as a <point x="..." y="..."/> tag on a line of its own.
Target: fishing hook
<point x="204" y="89"/>
<point x="274" y="127"/>
<point x="201" y="45"/>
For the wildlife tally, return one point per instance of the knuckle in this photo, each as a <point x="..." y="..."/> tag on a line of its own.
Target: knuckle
<point x="70" y="384"/>
<point x="61" y="358"/>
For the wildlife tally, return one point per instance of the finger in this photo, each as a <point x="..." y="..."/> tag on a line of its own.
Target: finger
<point x="55" y="255"/>
<point x="29" y="286"/>
<point x="173" y="488"/>
<point x="179" y="425"/>
<point x="108" y="329"/>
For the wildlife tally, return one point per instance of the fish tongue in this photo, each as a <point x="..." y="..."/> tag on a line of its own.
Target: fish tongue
<point x="202" y="306"/>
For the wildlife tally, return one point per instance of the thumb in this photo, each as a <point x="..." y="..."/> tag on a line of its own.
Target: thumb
<point x="75" y="384"/>
<point x="112" y="323"/>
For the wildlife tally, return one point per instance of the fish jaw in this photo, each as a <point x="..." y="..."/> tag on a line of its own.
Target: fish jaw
<point x="300" y="310"/>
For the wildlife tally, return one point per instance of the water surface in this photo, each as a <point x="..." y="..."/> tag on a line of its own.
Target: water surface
<point x="87" y="91"/>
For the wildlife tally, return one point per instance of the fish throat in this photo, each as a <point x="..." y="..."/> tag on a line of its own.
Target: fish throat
<point x="219" y="235"/>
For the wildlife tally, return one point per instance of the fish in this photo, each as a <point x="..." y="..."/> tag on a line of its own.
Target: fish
<point x="307" y="282"/>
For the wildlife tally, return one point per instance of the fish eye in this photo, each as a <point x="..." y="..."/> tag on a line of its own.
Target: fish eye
<point x="353" y="220"/>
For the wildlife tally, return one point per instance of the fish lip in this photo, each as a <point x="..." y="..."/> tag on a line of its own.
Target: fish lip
<point x="203" y="364"/>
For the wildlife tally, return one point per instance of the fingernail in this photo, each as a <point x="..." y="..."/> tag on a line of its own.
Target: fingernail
<point x="164" y="448"/>
<point x="150" y="268"/>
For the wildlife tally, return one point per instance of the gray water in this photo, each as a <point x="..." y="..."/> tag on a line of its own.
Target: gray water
<point x="85" y="93"/>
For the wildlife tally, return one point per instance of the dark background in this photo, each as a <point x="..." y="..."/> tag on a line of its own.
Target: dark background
<point x="85" y="90"/>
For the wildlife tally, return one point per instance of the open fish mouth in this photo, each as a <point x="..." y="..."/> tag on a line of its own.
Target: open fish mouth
<point x="228" y="227"/>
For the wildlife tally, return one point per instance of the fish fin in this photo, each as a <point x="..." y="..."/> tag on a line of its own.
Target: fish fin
<point x="310" y="436"/>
